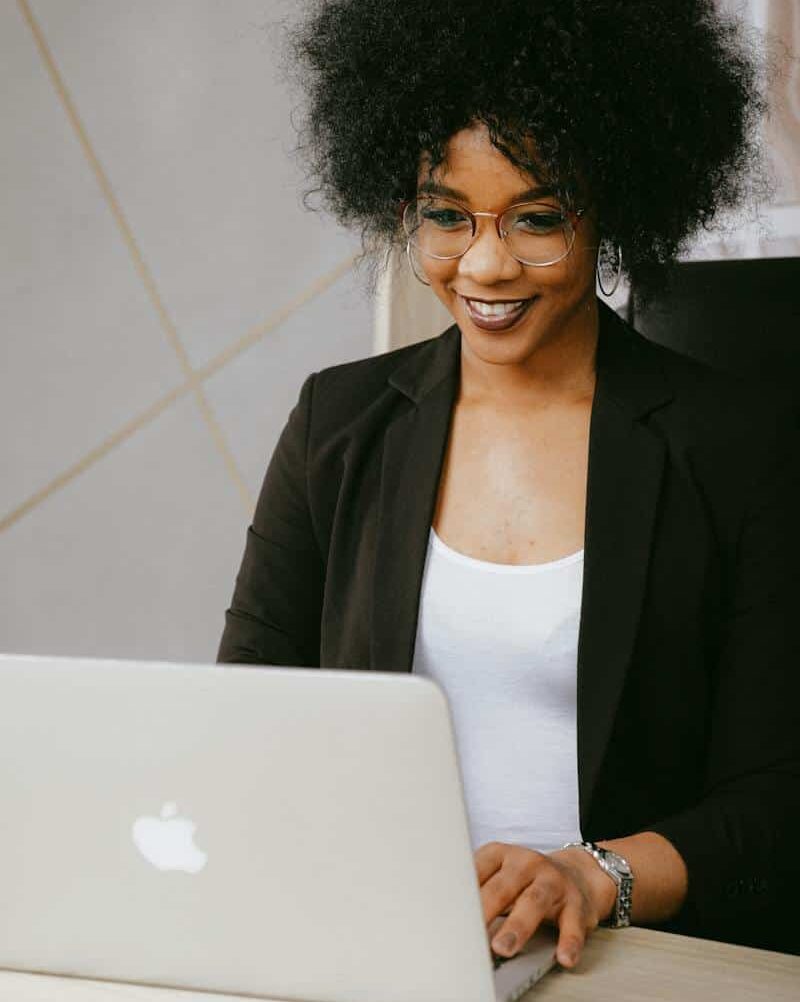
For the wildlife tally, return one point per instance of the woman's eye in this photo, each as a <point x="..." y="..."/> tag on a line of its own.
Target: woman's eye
<point x="445" y="218"/>
<point x="538" y="222"/>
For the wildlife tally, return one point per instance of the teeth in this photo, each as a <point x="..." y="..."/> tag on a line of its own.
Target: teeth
<point x="495" y="309"/>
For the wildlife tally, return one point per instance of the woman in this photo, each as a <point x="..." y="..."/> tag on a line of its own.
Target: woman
<point x="589" y="541"/>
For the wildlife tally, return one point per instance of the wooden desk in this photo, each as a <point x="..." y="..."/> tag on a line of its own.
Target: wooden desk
<point x="623" y="965"/>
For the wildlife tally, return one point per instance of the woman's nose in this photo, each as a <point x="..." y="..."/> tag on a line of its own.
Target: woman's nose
<point x="487" y="259"/>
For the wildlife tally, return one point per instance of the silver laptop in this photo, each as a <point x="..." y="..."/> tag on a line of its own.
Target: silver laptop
<point x="275" y="832"/>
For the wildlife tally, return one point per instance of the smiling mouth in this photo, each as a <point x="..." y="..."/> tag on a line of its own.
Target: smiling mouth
<point x="498" y="315"/>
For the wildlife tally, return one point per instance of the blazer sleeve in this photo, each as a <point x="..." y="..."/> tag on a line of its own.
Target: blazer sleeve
<point x="739" y="842"/>
<point x="274" y="616"/>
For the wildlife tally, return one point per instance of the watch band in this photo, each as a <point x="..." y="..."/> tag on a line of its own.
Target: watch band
<point x="618" y="868"/>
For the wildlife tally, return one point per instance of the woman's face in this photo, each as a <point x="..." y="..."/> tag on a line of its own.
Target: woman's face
<point x="561" y="296"/>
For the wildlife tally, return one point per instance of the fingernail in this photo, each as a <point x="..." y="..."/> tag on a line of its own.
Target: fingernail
<point x="569" y="957"/>
<point x="507" y="942"/>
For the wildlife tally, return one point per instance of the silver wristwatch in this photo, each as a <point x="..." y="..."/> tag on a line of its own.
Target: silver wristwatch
<point x="620" y="872"/>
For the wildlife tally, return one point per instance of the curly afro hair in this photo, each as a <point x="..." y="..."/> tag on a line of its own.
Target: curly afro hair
<point x="650" y="108"/>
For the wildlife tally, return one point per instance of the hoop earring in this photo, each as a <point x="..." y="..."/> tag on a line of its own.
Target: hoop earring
<point x="604" y="256"/>
<point x="410" y="257"/>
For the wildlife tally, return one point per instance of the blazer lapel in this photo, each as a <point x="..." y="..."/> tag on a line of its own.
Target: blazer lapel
<point x="413" y="453"/>
<point x="626" y="462"/>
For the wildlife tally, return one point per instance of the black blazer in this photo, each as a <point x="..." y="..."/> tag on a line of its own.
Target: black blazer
<point x="688" y="655"/>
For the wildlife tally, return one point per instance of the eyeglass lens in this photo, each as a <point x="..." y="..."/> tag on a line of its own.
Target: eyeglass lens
<point x="535" y="233"/>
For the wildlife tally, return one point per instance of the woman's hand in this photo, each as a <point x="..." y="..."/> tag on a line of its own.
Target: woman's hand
<point x="558" y="887"/>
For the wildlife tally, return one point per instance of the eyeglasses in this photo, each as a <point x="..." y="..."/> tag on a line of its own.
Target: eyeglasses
<point x="535" y="233"/>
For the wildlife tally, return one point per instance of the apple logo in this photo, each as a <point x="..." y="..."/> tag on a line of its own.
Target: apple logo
<point x="168" y="841"/>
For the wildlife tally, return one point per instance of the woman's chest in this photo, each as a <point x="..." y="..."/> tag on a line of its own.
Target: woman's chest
<point x="513" y="485"/>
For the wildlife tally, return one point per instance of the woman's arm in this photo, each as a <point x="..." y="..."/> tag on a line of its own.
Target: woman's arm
<point x="660" y="877"/>
<point x="739" y="839"/>
<point x="569" y="889"/>
<point x="274" y="617"/>
<point x="727" y="865"/>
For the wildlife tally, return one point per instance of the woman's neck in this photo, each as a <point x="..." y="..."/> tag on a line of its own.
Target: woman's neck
<point x="561" y="370"/>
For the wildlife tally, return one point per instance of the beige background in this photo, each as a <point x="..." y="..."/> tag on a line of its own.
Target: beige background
<point x="164" y="294"/>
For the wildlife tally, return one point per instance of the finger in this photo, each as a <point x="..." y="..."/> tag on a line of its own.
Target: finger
<point x="488" y="859"/>
<point x="571" y="933"/>
<point x="544" y="898"/>
<point x="500" y="892"/>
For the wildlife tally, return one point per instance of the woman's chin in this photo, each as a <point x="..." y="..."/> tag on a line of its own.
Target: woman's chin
<point x="511" y="346"/>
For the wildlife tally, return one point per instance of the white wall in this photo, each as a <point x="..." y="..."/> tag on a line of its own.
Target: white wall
<point x="775" y="230"/>
<point x="163" y="295"/>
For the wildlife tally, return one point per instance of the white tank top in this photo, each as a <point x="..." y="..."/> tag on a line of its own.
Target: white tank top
<point x="501" y="640"/>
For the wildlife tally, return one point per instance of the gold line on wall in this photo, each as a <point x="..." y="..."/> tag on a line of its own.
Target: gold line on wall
<point x="211" y="368"/>
<point x="194" y="379"/>
<point x="246" y="341"/>
<point x="145" y="275"/>
<point x="93" y="456"/>
<point x="104" y="184"/>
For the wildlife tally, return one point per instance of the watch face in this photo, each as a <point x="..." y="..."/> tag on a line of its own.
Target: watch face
<point x="618" y="863"/>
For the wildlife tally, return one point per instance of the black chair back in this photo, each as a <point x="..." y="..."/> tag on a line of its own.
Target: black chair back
<point x="742" y="317"/>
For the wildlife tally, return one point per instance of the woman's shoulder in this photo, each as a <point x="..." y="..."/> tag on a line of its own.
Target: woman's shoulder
<point x="353" y="390"/>
<point x="732" y="431"/>
<point x="720" y="404"/>
<point x="373" y="370"/>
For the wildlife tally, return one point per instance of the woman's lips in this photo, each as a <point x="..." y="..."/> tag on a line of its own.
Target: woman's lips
<point x="497" y="323"/>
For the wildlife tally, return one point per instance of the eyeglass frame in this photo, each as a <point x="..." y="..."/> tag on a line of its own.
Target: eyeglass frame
<point x="577" y="213"/>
